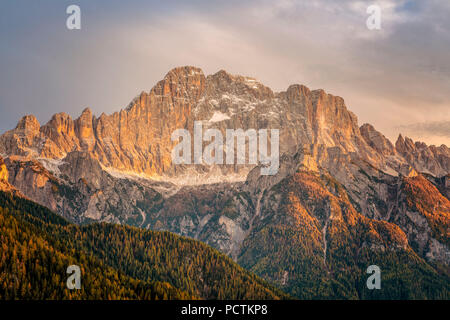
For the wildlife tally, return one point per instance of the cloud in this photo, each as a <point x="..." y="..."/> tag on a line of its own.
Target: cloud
<point x="397" y="76"/>
<point x="434" y="130"/>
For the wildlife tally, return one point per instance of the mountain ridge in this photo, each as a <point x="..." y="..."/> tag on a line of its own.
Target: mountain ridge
<point x="183" y="96"/>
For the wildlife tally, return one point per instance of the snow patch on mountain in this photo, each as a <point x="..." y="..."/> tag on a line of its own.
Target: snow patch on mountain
<point x="52" y="165"/>
<point x="219" y="116"/>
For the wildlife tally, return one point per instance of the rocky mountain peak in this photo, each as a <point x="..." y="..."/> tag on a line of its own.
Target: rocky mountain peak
<point x="86" y="114"/>
<point x="181" y="84"/>
<point x="236" y="85"/>
<point x="4" y="180"/>
<point x="84" y="129"/>
<point x="377" y="140"/>
<point x="85" y="120"/>
<point x="28" y="123"/>
<point x="184" y="72"/>
<point x="428" y="159"/>
<point x="296" y="92"/>
<point x="20" y="140"/>
<point x="222" y="76"/>
<point x="59" y="123"/>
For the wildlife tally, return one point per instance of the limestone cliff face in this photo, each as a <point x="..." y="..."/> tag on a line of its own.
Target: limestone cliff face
<point x="428" y="159"/>
<point x="377" y="140"/>
<point x="407" y="156"/>
<point x="138" y="138"/>
<point x="22" y="139"/>
<point x="135" y="139"/>
<point x="3" y="171"/>
<point x="5" y="186"/>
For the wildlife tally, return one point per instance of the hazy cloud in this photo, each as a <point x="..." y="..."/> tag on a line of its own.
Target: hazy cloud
<point x="433" y="131"/>
<point x="392" y="77"/>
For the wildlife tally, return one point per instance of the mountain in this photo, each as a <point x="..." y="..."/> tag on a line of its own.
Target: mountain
<point x="312" y="241"/>
<point x="116" y="262"/>
<point x="387" y="202"/>
<point x="138" y="138"/>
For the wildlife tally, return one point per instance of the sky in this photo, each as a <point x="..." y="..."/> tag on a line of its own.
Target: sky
<point x="396" y="78"/>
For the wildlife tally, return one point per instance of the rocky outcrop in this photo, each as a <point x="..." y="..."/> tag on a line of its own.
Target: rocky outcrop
<point x="5" y="186"/>
<point x="23" y="139"/>
<point x="428" y="159"/>
<point x="377" y="141"/>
